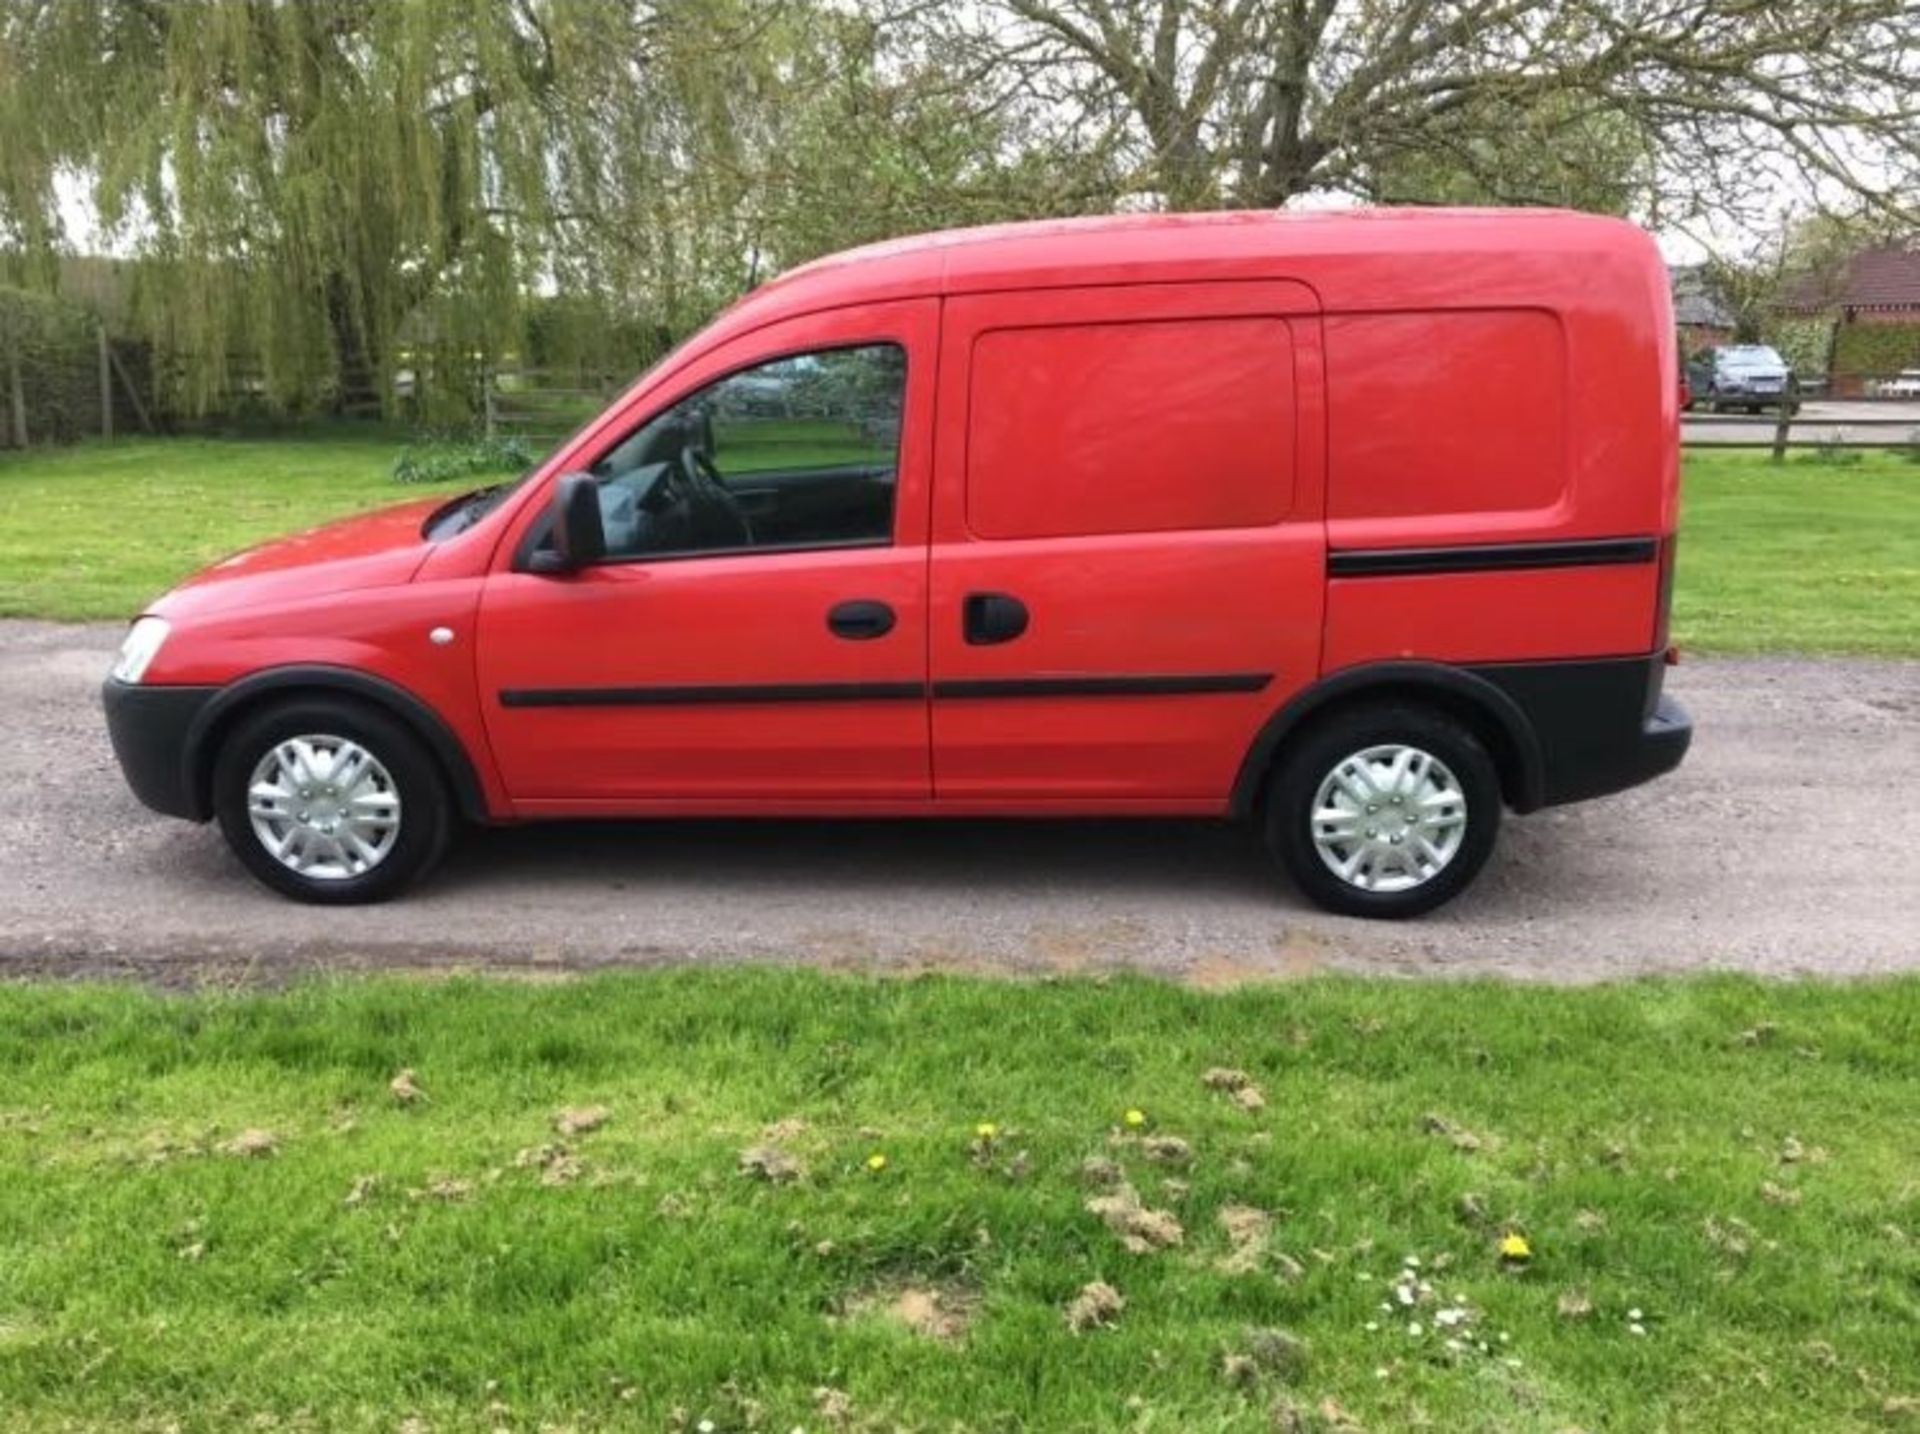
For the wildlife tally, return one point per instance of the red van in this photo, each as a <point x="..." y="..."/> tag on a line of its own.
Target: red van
<point x="1356" y="526"/>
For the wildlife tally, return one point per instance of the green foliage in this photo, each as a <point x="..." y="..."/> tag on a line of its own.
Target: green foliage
<point x="1803" y="342"/>
<point x="298" y="181"/>
<point x="1876" y="348"/>
<point x="1549" y="151"/>
<point x="448" y="458"/>
<point x="1712" y="1161"/>
<point x="356" y="207"/>
<point x="54" y="344"/>
<point x="1831" y="453"/>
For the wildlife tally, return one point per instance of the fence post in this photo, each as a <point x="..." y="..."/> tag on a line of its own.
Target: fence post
<point x="106" y="384"/>
<point x="488" y="417"/>
<point x="132" y="389"/>
<point x="18" y="397"/>
<point x="1783" y="425"/>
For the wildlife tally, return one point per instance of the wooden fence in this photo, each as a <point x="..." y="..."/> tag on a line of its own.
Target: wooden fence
<point x="72" y="395"/>
<point x="1867" y="422"/>
<point x="544" y="405"/>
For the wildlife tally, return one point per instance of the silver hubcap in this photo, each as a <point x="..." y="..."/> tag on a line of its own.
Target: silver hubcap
<point x="324" y="807"/>
<point x="1389" y="818"/>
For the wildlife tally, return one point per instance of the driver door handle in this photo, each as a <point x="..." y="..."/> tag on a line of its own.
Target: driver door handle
<point x="860" y="619"/>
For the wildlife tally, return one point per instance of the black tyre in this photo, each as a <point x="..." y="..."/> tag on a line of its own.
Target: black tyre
<point x="331" y="801"/>
<point x="1384" y="810"/>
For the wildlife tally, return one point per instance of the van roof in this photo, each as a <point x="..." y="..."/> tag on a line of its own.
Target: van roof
<point x="1348" y="256"/>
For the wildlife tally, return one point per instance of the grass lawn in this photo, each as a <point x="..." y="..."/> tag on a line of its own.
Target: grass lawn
<point x="1805" y="556"/>
<point x="96" y="530"/>
<point x="1716" y="1180"/>
<point x="1810" y="556"/>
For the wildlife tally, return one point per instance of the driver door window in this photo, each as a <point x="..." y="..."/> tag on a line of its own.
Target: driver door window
<point x="799" y="452"/>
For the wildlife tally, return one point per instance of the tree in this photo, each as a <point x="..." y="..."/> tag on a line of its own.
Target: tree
<point x="1697" y="106"/>
<point x="331" y="193"/>
<point x="298" y="180"/>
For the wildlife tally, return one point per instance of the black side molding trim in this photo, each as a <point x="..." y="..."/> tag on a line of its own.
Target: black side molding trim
<point x="1491" y="557"/>
<point x="1145" y="685"/>
<point x="710" y="695"/>
<point x="1156" y="685"/>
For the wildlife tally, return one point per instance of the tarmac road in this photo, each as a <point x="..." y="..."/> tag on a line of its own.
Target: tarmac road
<point x="1789" y="842"/>
<point x="1820" y="420"/>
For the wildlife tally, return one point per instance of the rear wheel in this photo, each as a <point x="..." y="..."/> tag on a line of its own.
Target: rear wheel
<point x="330" y="801"/>
<point x="1385" y="810"/>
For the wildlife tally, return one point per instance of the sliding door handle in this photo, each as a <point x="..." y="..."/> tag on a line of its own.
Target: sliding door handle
<point x="992" y="617"/>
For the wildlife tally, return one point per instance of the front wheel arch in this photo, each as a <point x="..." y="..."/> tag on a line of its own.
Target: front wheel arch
<point x="1480" y="706"/>
<point x="239" y="700"/>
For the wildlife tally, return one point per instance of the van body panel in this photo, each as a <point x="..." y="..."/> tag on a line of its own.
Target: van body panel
<point x="716" y="676"/>
<point x="1491" y="616"/>
<point x="380" y="631"/>
<point x="1454" y="416"/>
<point x="1184" y="500"/>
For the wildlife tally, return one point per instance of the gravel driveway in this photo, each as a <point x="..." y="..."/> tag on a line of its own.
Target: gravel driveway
<point x="1789" y="842"/>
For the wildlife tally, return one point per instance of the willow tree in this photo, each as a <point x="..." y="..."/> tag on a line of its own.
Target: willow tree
<point x="330" y="192"/>
<point x="310" y="188"/>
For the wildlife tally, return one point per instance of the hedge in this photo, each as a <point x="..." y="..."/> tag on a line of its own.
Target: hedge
<point x="1803" y="343"/>
<point x="56" y="345"/>
<point x="1876" y="348"/>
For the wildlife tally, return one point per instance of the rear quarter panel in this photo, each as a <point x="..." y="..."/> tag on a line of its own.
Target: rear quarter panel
<point x="1530" y="400"/>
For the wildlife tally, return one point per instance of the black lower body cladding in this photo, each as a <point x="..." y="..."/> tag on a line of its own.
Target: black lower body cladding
<point x="1602" y="725"/>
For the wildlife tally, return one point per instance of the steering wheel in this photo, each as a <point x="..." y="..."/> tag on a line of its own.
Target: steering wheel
<point x="709" y="494"/>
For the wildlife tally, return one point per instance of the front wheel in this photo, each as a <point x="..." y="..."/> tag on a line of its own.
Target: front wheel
<point x="330" y="801"/>
<point x="1386" y="810"/>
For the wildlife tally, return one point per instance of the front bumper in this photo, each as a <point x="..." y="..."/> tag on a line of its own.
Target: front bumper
<point x="150" y="728"/>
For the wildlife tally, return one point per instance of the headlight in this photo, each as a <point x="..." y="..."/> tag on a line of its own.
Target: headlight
<point x="137" y="651"/>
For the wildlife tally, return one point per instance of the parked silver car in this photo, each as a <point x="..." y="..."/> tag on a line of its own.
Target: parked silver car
<point x="1749" y="376"/>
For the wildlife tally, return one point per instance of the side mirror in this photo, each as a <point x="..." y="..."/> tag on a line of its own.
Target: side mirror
<point x="579" y="537"/>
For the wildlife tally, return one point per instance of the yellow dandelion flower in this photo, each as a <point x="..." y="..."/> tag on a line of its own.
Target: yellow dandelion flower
<point x="1135" y="1118"/>
<point x="1515" y="1247"/>
<point x="986" y="1130"/>
<point x="876" y="1161"/>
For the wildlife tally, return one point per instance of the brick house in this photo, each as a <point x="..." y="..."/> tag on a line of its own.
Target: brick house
<point x="1700" y="314"/>
<point x="1874" y="288"/>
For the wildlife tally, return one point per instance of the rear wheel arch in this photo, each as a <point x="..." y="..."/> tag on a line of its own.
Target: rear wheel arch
<point x="239" y="700"/>
<point x="1477" y="704"/>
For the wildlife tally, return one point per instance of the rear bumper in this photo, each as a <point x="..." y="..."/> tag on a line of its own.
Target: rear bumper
<point x="1599" y="726"/>
<point x="149" y="728"/>
<point x="1658" y="748"/>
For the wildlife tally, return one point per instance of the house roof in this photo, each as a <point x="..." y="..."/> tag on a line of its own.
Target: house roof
<point x="1882" y="278"/>
<point x="1696" y="302"/>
